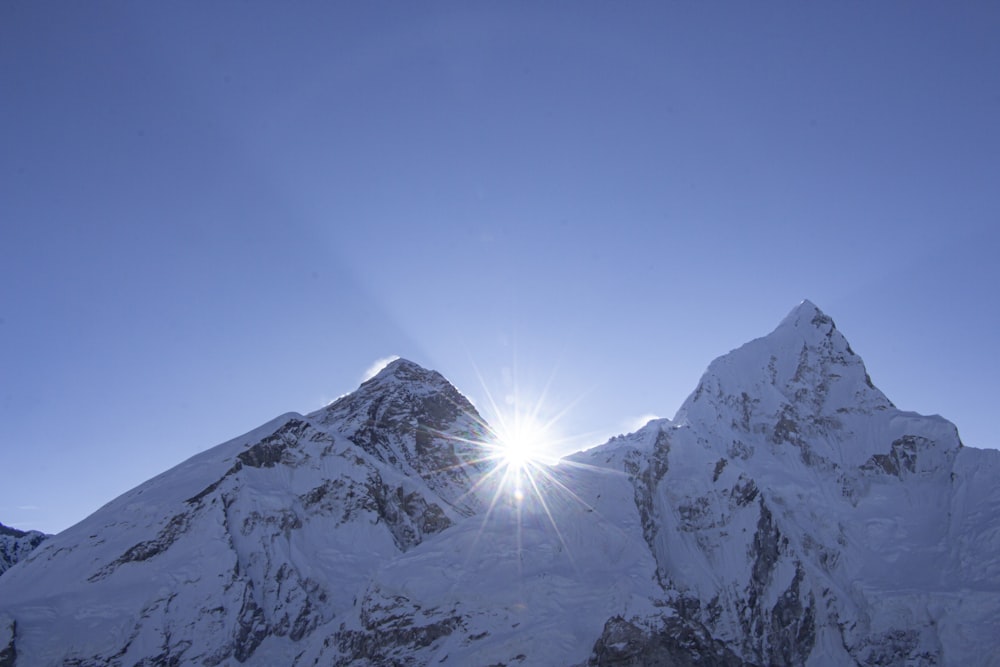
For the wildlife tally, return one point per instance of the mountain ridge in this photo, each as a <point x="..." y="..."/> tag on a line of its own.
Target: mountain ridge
<point x="788" y="514"/>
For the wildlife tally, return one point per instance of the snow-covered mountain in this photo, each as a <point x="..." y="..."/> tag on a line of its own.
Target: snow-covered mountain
<point x="789" y="514"/>
<point x="16" y="544"/>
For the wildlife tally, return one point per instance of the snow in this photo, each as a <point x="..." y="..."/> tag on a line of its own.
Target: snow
<point x="789" y="510"/>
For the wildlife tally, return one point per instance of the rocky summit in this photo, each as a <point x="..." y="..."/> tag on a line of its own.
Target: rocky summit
<point x="789" y="514"/>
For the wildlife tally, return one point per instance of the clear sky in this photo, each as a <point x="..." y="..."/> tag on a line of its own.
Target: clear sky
<point x="213" y="213"/>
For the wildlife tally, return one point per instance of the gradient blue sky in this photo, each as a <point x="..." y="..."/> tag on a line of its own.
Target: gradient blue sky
<point x="213" y="213"/>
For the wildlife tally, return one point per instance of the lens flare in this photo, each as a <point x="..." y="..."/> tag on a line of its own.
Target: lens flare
<point x="519" y="472"/>
<point x="521" y="441"/>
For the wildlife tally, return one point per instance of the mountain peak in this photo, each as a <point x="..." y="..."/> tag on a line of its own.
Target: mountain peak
<point x="414" y="420"/>
<point x="405" y="370"/>
<point x="803" y="372"/>
<point x="403" y="384"/>
<point x="808" y="319"/>
<point x="805" y="311"/>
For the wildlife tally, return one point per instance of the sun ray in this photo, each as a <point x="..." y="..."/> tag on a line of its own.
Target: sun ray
<point x="516" y="474"/>
<point x="552" y="521"/>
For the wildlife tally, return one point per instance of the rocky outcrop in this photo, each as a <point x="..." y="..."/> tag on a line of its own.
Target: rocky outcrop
<point x="666" y="641"/>
<point x="15" y="545"/>
<point x="8" y="649"/>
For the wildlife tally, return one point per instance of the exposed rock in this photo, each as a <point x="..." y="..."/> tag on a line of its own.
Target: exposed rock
<point x="145" y="550"/>
<point x="251" y="628"/>
<point x="15" y="545"/>
<point x="901" y="459"/>
<point x="674" y="642"/>
<point x="8" y="648"/>
<point x="392" y="632"/>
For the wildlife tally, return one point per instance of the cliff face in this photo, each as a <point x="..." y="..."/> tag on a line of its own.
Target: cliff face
<point x="789" y="514"/>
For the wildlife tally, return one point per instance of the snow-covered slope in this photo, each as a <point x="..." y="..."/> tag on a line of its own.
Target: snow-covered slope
<point x="798" y="517"/>
<point x="789" y="514"/>
<point x="16" y="544"/>
<point x="242" y="551"/>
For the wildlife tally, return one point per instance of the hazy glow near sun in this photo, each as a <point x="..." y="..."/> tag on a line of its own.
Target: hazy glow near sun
<point x="523" y="475"/>
<point x="521" y="445"/>
<point x="521" y="440"/>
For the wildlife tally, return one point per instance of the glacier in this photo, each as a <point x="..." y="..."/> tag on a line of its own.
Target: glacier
<point x="789" y="514"/>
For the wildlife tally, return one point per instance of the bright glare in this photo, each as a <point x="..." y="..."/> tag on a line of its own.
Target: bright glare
<point x="521" y="441"/>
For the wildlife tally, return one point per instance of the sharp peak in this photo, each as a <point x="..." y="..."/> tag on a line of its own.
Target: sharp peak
<point x="806" y="303"/>
<point x="403" y="373"/>
<point x="806" y="306"/>
<point x="403" y="369"/>
<point x="806" y="326"/>
<point x="400" y="379"/>
<point x="805" y="350"/>
<point x="807" y="313"/>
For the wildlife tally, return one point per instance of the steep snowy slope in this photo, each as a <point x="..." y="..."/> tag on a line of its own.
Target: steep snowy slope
<point x="788" y="515"/>
<point x="799" y="517"/>
<point x="16" y="544"/>
<point x="243" y="550"/>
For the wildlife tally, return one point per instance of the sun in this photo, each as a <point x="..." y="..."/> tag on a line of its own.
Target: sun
<point x="522" y="442"/>
<point x="522" y="475"/>
<point x="521" y="445"/>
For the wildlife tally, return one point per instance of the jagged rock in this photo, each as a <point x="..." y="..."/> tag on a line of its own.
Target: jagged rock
<point x="8" y="648"/>
<point x="626" y="644"/>
<point x="15" y="545"/>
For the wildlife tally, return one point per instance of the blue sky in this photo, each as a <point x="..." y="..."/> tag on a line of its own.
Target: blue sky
<point x="213" y="214"/>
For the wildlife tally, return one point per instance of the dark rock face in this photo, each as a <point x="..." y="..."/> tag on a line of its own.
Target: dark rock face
<point x="896" y="647"/>
<point x="416" y="421"/>
<point x="251" y="627"/>
<point x="793" y="625"/>
<point x="672" y="641"/>
<point x="145" y="550"/>
<point x="408" y="516"/>
<point x="391" y="643"/>
<point x="269" y="451"/>
<point x="15" y="545"/>
<point x="645" y="475"/>
<point x="393" y="629"/>
<point x="8" y="649"/>
<point x="902" y="458"/>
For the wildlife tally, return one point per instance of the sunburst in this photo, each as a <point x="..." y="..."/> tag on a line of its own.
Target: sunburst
<point x="523" y="473"/>
<point x="522" y="441"/>
<point x="518" y="472"/>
